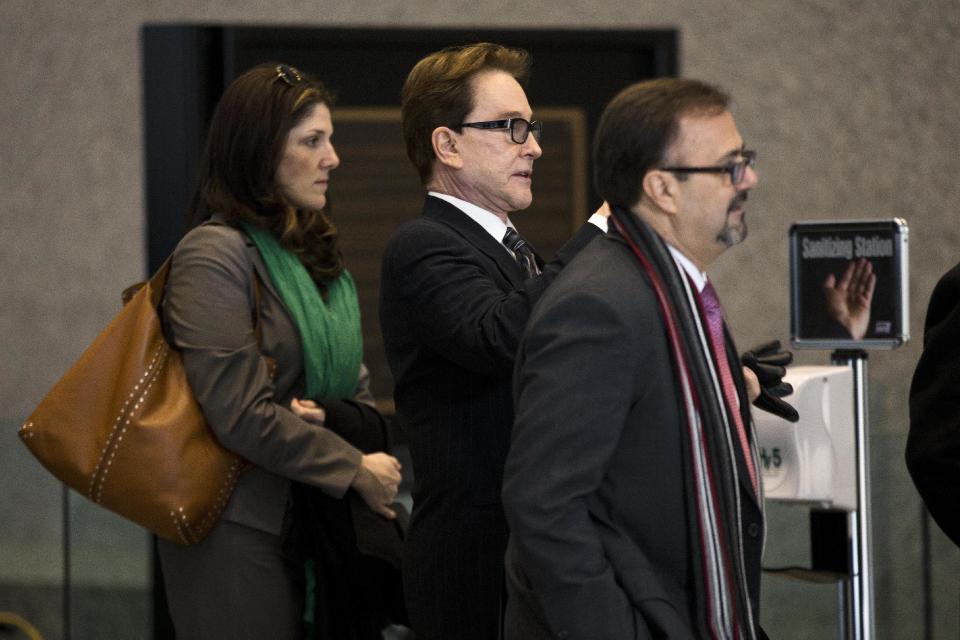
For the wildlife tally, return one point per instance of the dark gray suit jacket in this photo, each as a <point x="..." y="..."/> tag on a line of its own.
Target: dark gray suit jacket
<point x="594" y="484"/>
<point x="453" y="304"/>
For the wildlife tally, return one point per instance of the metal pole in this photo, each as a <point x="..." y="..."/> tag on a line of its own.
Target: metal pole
<point x="854" y="603"/>
<point x="859" y="605"/>
<point x="66" y="563"/>
<point x="843" y="595"/>
<point x="927" y="574"/>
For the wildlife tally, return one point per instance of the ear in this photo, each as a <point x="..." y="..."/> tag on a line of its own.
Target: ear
<point x="445" y="147"/>
<point x="662" y="189"/>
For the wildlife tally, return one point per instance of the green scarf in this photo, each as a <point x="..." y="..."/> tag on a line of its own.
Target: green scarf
<point x="329" y="331"/>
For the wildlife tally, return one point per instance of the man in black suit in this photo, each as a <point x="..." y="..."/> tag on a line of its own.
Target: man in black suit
<point x="453" y="303"/>
<point x="632" y="483"/>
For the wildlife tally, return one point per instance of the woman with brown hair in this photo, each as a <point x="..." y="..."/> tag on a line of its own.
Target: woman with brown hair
<point x="260" y="305"/>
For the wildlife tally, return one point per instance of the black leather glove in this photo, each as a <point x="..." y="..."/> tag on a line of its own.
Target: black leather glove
<point x="768" y="361"/>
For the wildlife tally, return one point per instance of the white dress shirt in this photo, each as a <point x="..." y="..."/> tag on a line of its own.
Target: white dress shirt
<point x="492" y="223"/>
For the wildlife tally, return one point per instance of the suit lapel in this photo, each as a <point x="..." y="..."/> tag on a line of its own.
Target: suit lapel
<point x="447" y="214"/>
<point x="256" y="260"/>
<point x="261" y="270"/>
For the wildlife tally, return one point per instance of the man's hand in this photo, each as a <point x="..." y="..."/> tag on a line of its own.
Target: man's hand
<point x="377" y="482"/>
<point x="753" y="384"/>
<point x="848" y="300"/>
<point x="768" y="363"/>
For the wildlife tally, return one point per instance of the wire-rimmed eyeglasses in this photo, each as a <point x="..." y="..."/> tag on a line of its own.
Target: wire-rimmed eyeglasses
<point x="737" y="170"/>
<point x="519" y="128"/>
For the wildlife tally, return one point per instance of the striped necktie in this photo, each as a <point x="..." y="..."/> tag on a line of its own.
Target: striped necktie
<point x="522" y="252"/>
<point x="714" y="312"/>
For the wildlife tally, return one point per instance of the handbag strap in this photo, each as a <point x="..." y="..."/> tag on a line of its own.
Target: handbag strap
<point x="155" y="284"/>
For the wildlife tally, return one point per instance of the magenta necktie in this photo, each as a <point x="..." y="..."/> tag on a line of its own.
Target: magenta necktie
<point x="711" y="306"/>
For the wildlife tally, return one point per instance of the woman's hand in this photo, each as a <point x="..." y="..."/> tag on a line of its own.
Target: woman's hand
<point x="308" y="410"/>
<point x="378" y="481"/>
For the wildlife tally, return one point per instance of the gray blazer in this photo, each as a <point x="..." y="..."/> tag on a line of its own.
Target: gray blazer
<point x="594" y="487"/>
<point x="209" y="312"/>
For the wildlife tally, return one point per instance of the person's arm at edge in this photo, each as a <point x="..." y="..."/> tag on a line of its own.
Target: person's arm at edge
<point x="933" y="443"/>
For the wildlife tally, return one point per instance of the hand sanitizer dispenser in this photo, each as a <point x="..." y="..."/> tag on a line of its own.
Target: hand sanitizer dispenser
<point x="812" y="461"/>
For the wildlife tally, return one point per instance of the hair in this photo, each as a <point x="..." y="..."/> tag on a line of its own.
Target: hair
<point x="439" y="92"/>
<point x="244" y="147"/>
<point x="639" y="126"/>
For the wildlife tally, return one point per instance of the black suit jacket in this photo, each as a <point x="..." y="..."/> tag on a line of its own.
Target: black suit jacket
<point x="594" y="486"/>
<point x="933" y="446"/>
<point x="453" y="305"/>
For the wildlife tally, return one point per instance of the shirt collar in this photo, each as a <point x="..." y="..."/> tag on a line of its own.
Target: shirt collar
<point x="491" y="223"/>
<point x="698" y="277"/>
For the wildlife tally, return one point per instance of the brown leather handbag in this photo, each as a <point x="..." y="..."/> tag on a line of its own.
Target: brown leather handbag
<point x="122" y="428"/>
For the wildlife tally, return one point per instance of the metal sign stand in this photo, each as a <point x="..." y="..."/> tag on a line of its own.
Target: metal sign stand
<point x="65" y="507"/>
<point x="856" y="591"/>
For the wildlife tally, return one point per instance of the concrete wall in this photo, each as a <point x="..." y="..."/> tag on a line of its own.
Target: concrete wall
<point x="851" y="104"/>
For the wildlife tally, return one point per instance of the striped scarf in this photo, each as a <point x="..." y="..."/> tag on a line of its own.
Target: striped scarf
<point x="721" y="600"/>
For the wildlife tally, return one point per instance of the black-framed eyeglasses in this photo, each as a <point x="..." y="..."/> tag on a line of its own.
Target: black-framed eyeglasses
<point x="288" y="74"/>
<point x="737" y="170"/>
<point x="519" y="128"/>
